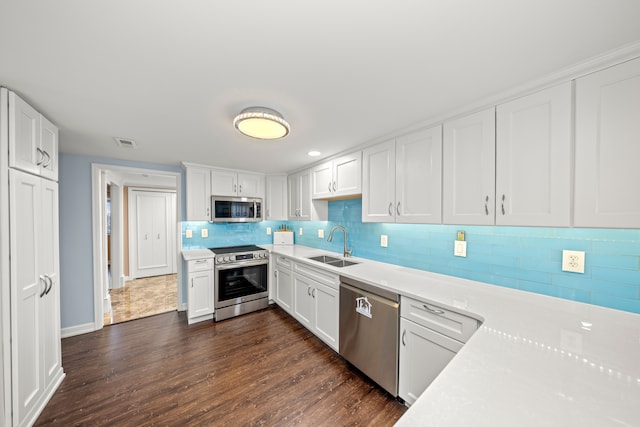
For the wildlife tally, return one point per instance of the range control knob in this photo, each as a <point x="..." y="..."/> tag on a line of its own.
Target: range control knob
<point x="219" y="259"/>
<point x="227" y="259"/>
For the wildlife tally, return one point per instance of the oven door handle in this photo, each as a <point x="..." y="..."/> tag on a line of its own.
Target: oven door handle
<point x="248" y="263"/>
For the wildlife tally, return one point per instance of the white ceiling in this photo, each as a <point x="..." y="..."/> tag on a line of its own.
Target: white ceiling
<point x="172" y="74"/>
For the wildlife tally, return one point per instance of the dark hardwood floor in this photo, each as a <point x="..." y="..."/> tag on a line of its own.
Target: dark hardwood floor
<point x="262" y="368"/>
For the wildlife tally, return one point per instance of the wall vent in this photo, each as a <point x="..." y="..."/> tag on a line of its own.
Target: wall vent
<point x="125" y="143"/>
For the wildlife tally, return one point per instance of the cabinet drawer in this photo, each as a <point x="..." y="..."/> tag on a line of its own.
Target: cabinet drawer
<point x="447" y="322"/>
<point x="283" y="262"/>
<point x="200" y="264"/>
<point x="329" y="279"/>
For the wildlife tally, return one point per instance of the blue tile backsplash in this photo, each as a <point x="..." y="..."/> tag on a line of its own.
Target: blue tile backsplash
<point x="526" y="258"/>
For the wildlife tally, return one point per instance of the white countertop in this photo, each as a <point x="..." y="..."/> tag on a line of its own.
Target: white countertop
<point x="535" y="361"/>
<point x="191" y="254"/>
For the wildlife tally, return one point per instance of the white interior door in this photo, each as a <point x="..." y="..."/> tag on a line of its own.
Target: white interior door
<point x="151" y="230"/>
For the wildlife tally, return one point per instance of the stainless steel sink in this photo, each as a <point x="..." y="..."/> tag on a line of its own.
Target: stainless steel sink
<point x="336" y="262"/>
<point x="341" y="263"/>
<point x="324" y="259"/>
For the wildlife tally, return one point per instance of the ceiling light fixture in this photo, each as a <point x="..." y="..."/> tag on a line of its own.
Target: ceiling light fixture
<point x="314" y="153"/>
<point x="261" y="123"/>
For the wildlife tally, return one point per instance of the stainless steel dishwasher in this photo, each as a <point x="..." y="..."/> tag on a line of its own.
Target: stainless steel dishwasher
<point x="369" y="325"/>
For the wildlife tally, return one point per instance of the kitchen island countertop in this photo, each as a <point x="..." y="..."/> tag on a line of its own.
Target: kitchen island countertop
<point x="535" y="360"/>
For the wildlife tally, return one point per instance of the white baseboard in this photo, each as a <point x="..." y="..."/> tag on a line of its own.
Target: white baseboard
<point x="77" y="330"/>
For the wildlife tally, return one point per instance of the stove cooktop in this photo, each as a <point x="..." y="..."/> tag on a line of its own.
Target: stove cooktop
<point x="234" y="249"/>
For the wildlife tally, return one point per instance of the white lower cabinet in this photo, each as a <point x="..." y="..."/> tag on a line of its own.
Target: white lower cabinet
<point x="423" y="354"/>
<point x="430" y="336"/>
<point x="316" y="302"/>
<point x="283" y="283"/>
<point x="200" y="290"/>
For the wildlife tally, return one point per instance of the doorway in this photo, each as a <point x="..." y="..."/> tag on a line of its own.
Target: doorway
<point x="136" y="243"/>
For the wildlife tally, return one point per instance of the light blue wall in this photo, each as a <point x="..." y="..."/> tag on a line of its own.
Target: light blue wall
<point x="76" y="244"/>
<point x="526" y="258"/>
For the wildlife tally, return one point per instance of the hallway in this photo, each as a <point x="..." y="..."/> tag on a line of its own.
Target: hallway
<point x="143" y="297"/>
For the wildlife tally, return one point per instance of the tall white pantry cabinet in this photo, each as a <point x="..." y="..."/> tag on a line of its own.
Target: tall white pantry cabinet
<point x="30" y="356"/>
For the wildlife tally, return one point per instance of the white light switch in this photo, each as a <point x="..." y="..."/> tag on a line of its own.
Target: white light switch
<point x="460" y="248"/>
<point x="268" y="230"/>
<point x="321" y="233"/>
<point x="204" y="232"/>
<point x="188" y="234"/>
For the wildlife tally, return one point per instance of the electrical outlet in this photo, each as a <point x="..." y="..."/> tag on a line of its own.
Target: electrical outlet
<point x="188" y="234"/>
<point x="460" y="248"/>
<point x="204" y="232"/>
<point x="300" y="232"/>
<point x="384" y="240"/>
<point x="573" y="261"/>
<point x="321" y="233"/>
<point x="268" y="230"/>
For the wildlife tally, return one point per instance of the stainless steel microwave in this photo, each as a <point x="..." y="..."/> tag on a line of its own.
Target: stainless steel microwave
<point x="236" y="209"/>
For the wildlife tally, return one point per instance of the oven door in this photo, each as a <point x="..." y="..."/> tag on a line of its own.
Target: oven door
<point x="241" y="282"/>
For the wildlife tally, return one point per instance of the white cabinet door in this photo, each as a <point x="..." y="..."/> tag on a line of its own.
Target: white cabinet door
<point x="304" y="210"/>
<point x="293" y="193"/>
<point x="276" y="198"/>
<point x="250" y="185"/>
<point x="284" y="289"/>
<point x="200" y="289"/>
<point x="378" y="182"/>
<point x="224" y="183"/>
<point x="607" y="148"/>
<point x="24" y="136"/>
<point x="48" y="247"/>
<point x="469" y="169"/>
<point x="49" y="149"/>
<point x="533" y="159"/>
<point x="419" y="177"/>
<point x="347" y="175"/>
<point x="28" y="287"/>
<point x="322" y="180"/>
<point x="303" y="304"/>
<point x="326" y="301"/>
<point x="423" y="355"/>
<point x="198" y="189"/>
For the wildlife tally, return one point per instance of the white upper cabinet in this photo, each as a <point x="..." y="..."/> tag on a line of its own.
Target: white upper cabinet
<point x="607" y="148"/>
<point x="419" y="177"/>
<point x="378" y="182"/>
<point x="533" y="159"/>
<point x="33" y="140"/>
<point x="338" y="178"/>
<point x="198" y="197"/>
<point x="402" y="179"/>
<point x="276" y="198"/>
<point x="233" y="183"/>
<point x="301" y="206"/>
<point x="469" y="169"/>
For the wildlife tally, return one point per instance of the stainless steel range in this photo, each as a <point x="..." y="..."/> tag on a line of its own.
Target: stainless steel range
<point x="241" y="274"/>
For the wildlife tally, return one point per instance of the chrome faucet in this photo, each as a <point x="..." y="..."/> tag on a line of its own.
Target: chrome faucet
<point x="347" y="252"/>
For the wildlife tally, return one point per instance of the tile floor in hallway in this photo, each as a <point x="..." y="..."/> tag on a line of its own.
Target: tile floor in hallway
<point x="143" y="297"/>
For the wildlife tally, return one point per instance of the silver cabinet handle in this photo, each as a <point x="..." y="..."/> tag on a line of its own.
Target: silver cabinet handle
<point x="42" y="279"/>
<point x="207" y="211"/>
<point x="398" y="209"/>
<point x="201" y="261"/>
<point x="275" y="273"/>
<point x="390" y="207"/>
<point x="240" y="188"/>
<point x="48" y="161"/>
<point x="403" y="334"/>
<point x="50" y="283"/>
<point x="41" y="159"/>
<point x="146" y="237"/>
<point x="313" y="293"/>
<point x="158" y="236"/>
<point x="334" y="186"/>
<point x="309" y="290"/>
<point x="329" y="186"/>
<point x="192" y="282"/>
<point x="234" y="188"/>
<point x="486" y="205"/>
<point x="503" y="197"/>
<point x="433" y="310"/>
